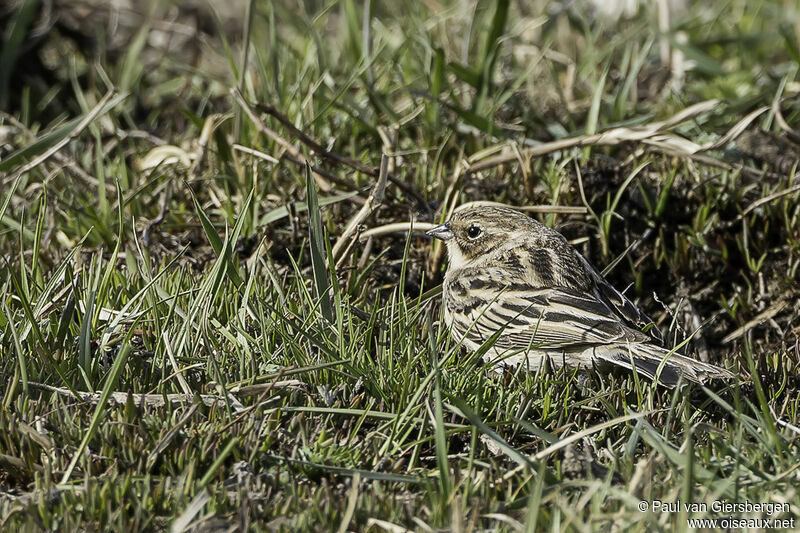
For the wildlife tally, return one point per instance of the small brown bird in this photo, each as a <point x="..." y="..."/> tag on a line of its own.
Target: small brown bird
<point x="512" y="276"/>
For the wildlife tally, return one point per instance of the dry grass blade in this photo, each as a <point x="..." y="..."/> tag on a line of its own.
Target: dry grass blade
<point x="254" y="390"/>
<point x="767" y="199"/>
<point x="185" y="519"/>
<point x="323" y="179"/>
<point x="209" y="126"/>
<point x="781" y="121"/>
<point x="320" y="150"/>
<point x="607" y="138"/>
<point x="314" y="145"/>
<point x="689" y="113"/>
<point x="150" y="400"/>
<point x="760" y="318"/>
<point x="352" y="500"/>
<point x="387" y="229"/>
<point x="677" y="145"/>
<point x="372" y="204"/>
<point x="253" y="152"/>
<point x="386" y="526"/>
<point x="672" y="144"/>
<point x="736" y="130"/>
<point x="263" y="128"/>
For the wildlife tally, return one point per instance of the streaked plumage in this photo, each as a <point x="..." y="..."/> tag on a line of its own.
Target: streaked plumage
<point x="509" y="273"/>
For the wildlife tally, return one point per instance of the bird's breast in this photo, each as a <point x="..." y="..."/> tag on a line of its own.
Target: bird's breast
<point x="469" y="290"/>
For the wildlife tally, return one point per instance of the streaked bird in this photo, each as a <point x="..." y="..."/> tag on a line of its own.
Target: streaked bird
<point x="510" y="276"/>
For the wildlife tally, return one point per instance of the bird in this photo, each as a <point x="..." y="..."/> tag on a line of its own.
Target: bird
<point x="523" y="290"/>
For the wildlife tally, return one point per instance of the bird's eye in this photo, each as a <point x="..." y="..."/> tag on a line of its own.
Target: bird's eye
<point x="474" y="231"/>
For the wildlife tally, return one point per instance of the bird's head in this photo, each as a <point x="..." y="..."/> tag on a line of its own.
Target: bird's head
<point x="474" y="233"/>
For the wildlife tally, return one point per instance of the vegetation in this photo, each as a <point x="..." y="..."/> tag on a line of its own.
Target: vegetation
<point x="205" y="321"/>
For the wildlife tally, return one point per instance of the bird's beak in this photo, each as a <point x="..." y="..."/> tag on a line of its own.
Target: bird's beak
<point x="443" y="232"/>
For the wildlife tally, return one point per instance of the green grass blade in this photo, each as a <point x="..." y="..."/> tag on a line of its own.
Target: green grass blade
<point x="54" y="136"/>
<point x="97" y="417"/>
<point x="438" y="415"/>
<point x="317" y="245"/>
<point x="460" y="407"/>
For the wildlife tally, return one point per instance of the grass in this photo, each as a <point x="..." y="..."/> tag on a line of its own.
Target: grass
<point x="186" y="342"/>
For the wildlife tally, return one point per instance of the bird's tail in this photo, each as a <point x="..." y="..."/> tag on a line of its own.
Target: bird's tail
<point x="657" y="363"/>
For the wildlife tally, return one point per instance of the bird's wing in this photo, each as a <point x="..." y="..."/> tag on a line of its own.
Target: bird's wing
<point x="657" y="362"/>
<point x="622" y="306"/>
<point x="543" y="318"/>
<point x="559" y="265"/>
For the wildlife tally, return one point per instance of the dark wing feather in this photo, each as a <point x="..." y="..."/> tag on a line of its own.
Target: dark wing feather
<point x="657" y="362"/>
<point x="622" y="306"/>
<point x="559" y="265"/>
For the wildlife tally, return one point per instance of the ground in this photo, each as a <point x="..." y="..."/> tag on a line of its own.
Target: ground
<point x="192" y="338"/>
